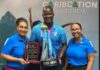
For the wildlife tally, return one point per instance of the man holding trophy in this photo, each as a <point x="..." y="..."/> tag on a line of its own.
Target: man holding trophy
<point x="52" y="38"/>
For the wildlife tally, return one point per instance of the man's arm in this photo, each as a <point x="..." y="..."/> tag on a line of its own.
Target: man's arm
<point x="65" y="65"/>
<point x="62" y="51"/>
<point x="30" y="17"/>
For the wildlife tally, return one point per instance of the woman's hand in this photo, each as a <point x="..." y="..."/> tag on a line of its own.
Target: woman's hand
<point x="22" y="61"/>
<point x="10" y="58"/>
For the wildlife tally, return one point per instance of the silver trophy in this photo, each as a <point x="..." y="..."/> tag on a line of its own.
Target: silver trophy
<point x="48" y="57"/>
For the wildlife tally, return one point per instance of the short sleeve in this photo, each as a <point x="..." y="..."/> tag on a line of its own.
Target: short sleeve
<point x="8" y="46"/>
<point x="90" y="48"/>
<point x="63" y="38"/>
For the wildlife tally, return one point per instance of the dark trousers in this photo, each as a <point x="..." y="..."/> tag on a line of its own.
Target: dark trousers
<point x="83" y="67"/>
<point x="49" y="68"/>
<point x="55" y="67"/>
<point x="32" y="67"/>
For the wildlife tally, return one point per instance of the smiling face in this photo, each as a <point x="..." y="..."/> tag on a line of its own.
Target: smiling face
<point x="22" y="28"/>
<point x="48" y="15"/>
<point x="76" y="30"/>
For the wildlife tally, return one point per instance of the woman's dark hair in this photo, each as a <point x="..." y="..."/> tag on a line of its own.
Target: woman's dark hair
<point x="77" y="23"/>
<point x="21" y="20"/>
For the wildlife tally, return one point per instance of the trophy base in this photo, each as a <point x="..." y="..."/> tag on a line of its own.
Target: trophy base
<point x="49" y="63"/>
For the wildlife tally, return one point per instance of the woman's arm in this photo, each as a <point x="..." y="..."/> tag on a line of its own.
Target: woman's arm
<point x="90" y="61"/>
<point x="10" y="58"/>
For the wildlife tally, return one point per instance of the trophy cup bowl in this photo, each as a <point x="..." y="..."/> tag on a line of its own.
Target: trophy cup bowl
<point x="32" y="52"/>
<point x="44" y="27"/>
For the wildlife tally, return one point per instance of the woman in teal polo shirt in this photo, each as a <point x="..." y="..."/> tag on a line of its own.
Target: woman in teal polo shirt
<point x="80" y="51"/>
<point x="13" y="49"/>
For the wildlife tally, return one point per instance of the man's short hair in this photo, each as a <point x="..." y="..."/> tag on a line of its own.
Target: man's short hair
<point x="48" y="6"/>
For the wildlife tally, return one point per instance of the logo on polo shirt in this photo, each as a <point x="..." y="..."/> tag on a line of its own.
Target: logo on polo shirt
<point x="55" y="33"/>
